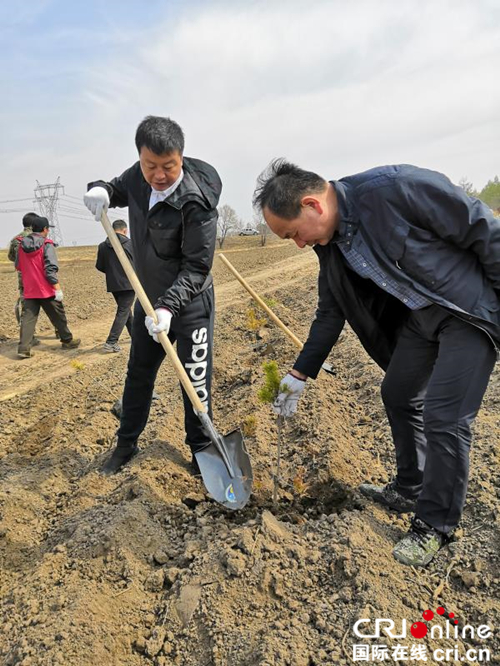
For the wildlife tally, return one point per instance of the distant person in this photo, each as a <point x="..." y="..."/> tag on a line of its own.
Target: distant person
<point x="37" y="263"/>
<point x="413" y="265"/>
<point x="117" y="283"/>
<point x="12" y="255"/>
<point x="172" y="203"/>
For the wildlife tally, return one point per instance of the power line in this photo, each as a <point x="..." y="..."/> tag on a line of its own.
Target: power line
<point x="71" y="197"/>
<point x="69" y="205"/>
<point x="15" y="200"/>
<point x="76" y="217"/>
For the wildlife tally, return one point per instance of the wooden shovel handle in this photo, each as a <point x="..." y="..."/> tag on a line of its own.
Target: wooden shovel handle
<point x="259" y="300"/>
<point x="149" y="310"/>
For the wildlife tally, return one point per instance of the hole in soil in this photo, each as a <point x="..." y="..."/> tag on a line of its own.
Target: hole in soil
<point x="327" y="497"/>
<point x="322" y="498"/>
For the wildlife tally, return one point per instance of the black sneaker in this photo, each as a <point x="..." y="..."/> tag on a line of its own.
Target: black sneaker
<point x="116" y="410"/>
<point x="388" y="496"/>
<point x="420" y="545"/>
<point x="121" y="456"/>
<point x="71" y="344"/>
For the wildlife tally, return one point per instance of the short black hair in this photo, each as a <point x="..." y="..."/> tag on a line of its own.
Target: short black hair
<point x="281" y="187"/>
<point x="160" y="135"/>
<point x="40" y="223"/>
<point x="29" y="218"/>
<point x="119" y="225"/>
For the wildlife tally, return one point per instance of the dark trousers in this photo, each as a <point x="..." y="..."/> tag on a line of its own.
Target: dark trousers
<point x="432" y="392"/>
<point x="54" y="311"/>
<point x="124" y="317"/>
<point x="193" y="332"/>
<point x="18" y="309"/>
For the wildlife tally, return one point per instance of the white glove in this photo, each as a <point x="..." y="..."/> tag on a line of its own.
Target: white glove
<point x="97" y="200"/>
<point x="164" y="317"/>
<point x="288" y="396"/>
<point x="58" y="296"/>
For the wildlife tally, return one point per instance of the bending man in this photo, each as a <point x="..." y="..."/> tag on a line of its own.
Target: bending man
<point x="413" y="264"/>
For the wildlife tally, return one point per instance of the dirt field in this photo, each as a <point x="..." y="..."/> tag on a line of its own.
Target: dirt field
<point x="142" y="568"/>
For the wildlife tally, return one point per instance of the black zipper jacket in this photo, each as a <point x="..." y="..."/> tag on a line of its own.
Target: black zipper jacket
<point x="425" y="234"/>
<point x="173" y="244"/>
<point x="108" y="263"/>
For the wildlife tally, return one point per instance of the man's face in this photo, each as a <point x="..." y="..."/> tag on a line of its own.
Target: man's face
<point x="160" y="171"/>
<point x="310" y="228"/>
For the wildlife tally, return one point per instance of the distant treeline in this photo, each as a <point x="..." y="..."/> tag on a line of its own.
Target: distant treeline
<point x="490" y="193"/>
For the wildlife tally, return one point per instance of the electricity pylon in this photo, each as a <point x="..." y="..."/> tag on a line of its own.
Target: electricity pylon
<point x="46" y="197"/>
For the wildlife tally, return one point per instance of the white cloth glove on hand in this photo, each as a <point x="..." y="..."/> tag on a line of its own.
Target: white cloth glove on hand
<point x="58" y="296"/>
<point x="289" y="393"/>
<point x="97" y="200"/>
<point x="164" y="317"/>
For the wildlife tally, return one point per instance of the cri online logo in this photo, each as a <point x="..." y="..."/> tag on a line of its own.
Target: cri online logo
<point x="420" y="629"/>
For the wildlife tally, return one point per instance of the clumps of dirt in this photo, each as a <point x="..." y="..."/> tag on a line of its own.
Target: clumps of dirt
<point x="144" y="568"/>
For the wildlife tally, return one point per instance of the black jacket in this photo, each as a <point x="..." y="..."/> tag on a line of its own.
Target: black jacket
<point x="174" y="242"/>
<point x="108" y="263"/>
<point x="424" y="233"/>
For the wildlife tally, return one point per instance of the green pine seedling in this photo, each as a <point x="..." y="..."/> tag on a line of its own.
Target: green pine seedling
<point x="269" y="392"/>
<point x="270" y="302"/>
<point x="253" y="322"/>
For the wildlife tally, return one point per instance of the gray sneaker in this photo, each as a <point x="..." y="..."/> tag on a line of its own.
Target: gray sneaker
<point x="420" y="545"/>
<point x="388" y="496"/>
<point x="111" y="347"/>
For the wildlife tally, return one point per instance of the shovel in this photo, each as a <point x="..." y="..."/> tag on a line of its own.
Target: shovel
<point x="224" y="464"/>
<point x="327" y="367"/>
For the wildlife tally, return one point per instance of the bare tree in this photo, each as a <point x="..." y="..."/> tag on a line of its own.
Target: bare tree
<point x="467" y="187"/>
<point x="227" y="221"/>
<point x="240" y="224"/>
<point x="261" y="226"/>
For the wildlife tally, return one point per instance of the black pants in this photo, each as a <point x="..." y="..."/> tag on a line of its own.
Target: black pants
<point x="54" y="311"/>
<point x="18" y="309"/>
<point x="124" y="317"/>
<point x="432" y="392"/>
<point x="193" y="332"/>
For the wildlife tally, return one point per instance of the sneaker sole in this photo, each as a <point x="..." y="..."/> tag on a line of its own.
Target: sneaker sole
<point x="407" y="508"/>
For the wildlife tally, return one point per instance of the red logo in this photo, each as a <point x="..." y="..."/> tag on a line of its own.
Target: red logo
<point x="420" y="629"/>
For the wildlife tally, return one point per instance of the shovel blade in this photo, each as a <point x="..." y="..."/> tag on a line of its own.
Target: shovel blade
<point x="232" y="492"/>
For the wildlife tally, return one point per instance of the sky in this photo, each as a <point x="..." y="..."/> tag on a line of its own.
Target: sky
<point x="335" y="87"/>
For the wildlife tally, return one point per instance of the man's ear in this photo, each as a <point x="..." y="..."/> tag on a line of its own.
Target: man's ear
<point x="312" y="202"/>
